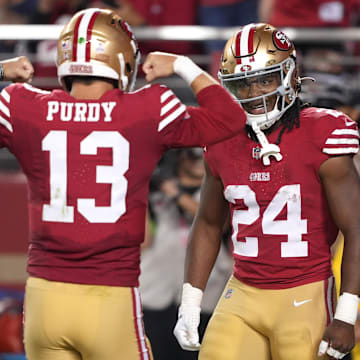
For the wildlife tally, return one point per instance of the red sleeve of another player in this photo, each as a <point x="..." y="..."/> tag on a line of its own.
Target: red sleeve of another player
<point x="6" y="126"/>
<point x="217" y="118"/>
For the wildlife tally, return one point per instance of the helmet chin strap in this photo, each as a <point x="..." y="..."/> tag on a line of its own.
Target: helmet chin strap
<point x="267" y="149"/>
<point x="267" y="119"/>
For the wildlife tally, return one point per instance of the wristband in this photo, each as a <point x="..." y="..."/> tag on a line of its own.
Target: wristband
<point x="2" y="73"/>
<point x="187" y="69"/>
<point x="191" y="295"/>
<point x="347" y="308"/>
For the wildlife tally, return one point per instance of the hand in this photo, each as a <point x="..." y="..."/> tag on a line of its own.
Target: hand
<point x="170" y="188"/>
<point x="18" y="69"/>
<point x="186" y="328"/>
<point x="158" y="64"/>
<point x="338" y="340"/>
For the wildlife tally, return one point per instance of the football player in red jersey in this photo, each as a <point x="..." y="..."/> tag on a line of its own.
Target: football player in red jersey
<point x="89" y="153"/>
<point x="289" y="183"/>
<point x="17" y="69"/>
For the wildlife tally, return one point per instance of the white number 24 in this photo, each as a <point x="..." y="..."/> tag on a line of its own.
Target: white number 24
<point x="56" y="143"/>
<point x="293" y="226"/>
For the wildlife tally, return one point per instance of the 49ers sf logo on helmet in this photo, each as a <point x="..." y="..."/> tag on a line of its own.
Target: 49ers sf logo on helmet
<point x="281" y="41"/>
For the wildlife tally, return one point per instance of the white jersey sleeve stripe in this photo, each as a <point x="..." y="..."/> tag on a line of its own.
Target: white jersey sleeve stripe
<point x="4" y="109"/>
<point x="169" y="106"/>
<point x="5" y="95"/>
<point x="341" y="151"/>
<point x="345" y="132"/>
<point x="337" y="141"/>
<point x="6" y="124"/>
<point x="35" y="90"/>
<point x="171" y="117"/>
<point x="166" y="95"/>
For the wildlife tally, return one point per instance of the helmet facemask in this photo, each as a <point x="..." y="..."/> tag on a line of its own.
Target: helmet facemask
<point x="272" y="110"/>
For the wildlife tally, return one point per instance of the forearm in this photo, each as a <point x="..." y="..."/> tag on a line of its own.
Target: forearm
<point x="197" y="78"/>
<point x="350" y="274"/>
<point x="203" y="248"/>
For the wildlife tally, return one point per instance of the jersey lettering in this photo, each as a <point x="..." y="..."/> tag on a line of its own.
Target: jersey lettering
<point x="294" y="226"/>
<point x="80" y="112"/>
<point x="58" y="211"/>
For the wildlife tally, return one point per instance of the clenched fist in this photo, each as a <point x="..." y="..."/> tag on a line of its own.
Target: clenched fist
<point x="18" y="69"/>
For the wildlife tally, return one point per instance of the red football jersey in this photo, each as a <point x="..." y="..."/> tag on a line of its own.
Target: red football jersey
<point x="88" y="165"/>
<point x="282" y="228"/>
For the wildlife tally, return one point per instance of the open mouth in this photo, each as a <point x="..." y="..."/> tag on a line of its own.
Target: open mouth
<point x="255" y="108"/>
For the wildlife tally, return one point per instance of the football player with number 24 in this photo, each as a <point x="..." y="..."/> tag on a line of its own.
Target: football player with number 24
<point x="290" y="185"/>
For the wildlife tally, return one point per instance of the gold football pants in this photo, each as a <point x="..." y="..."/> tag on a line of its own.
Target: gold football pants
<point x="66" y="321"/>
<point x="256" y="324"/>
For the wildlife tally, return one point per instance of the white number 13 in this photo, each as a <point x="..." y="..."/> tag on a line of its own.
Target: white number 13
<point x="56" y="143"/>
<point x="294" y="227"/>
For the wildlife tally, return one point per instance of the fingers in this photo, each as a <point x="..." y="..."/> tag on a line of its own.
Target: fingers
<point x="148" y="69"/>
<point x="28" y="69"/>
<point x="186" y="339"/>
<point x="325" y="348"/>
<point x="186" y="328"/>
<point x="158" y="65"/>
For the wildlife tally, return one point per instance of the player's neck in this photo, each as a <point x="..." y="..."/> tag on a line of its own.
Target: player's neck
<point x="92" y="91"/>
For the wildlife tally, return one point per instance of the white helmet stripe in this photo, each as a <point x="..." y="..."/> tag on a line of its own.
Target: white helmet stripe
<point x="84" y="27"/>
<point x="123" y="77"/>
<point x="247" y="43"/>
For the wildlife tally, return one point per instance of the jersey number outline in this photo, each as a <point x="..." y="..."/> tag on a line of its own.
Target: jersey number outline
<point x="294" y="226"/>
<point x="55" y="142"/>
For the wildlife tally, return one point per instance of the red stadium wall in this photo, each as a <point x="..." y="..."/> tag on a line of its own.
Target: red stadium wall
<point x="13" y="230"/>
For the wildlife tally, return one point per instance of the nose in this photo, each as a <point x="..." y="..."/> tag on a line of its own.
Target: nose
<point x="254" y="90"/>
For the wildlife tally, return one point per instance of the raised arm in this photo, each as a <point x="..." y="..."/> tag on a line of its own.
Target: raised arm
<point x="17" y="69"/>
<point x="216" y="118"/>
<point x="202" y="250"/>
<point x="342" y="186"/>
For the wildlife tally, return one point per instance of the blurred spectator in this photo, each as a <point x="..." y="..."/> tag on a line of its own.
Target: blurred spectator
<point x="48" y="11"/>
<point x="310" y="13"/>
<point x="157" y="13"/>
<point x="173" y="207"/>
<point x="13" y="12"/>
<point x="224" y="13"/>
<point x="135" y="12"/>
<point x="307" y="13"/>
<point x="329" y="90"/>
<point x="323" y="61"/>
<point x="11" y="322"/>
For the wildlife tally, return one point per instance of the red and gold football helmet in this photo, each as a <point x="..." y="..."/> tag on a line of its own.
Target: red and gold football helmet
<point x="97" y="42"/>
<point x="256" y="50"/>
